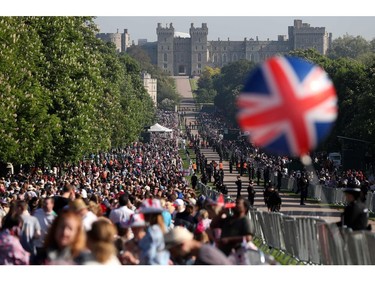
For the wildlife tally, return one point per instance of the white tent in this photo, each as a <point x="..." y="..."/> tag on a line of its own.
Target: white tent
<point x="159" y="129"/>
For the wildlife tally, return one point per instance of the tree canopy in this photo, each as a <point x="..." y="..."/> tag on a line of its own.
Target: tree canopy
<point x="353" y="80"/>
<point x="167" y="96"/>
<point x="64" y="93"/>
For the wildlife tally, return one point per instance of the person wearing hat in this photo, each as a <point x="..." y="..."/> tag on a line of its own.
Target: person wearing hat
<point x="355" y="215"/>
<point x="130" y="253"/>
<point x="183" y="215"/>
<point x="185" y="250"/>
<point x="88" y="218"/>
<point x="234" y="228"/>
<point x="152" y="244"/>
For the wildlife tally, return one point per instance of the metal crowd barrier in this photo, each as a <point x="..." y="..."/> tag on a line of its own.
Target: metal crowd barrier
<point x="312" y="240"/>
<point x="359" y="252"/>
<point x="331" y="245"/>
<point x="324" y="194"/>
<point x="308" y="239"/>
<point x="290" y="235"/>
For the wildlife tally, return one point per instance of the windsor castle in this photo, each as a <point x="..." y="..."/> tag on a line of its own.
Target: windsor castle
<point x="187" y="54"/>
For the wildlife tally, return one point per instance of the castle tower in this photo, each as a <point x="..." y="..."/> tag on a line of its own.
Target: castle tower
<point x="303" y="36"/>
<point x="125" y="40"/>
<point x="199" y="48"/>
<point x="165" y="48"/>
<point x="115" y="38"/>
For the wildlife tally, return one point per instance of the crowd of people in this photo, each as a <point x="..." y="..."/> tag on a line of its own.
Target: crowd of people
<point x="134" y="206"/>
<point x="248" y="159"/>
<point x="128" y="206"/>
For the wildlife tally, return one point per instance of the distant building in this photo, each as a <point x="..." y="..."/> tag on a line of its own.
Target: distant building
<point x="302" y="36"/>
<point x="142" y="42"/>
<point x="188" y="54"/>
<point x="121" y="40"/>
<point x="150" y="85"/>
<point x="178" y="53"/>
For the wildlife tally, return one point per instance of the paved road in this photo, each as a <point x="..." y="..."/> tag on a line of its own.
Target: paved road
<point x="290" y="204"/>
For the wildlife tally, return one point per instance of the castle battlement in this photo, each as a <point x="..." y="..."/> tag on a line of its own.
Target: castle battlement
<point x="189" y="56"/>
<point x="178" y="54"/>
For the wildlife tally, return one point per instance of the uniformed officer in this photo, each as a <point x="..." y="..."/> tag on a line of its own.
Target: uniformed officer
<point x="355" y="215"/>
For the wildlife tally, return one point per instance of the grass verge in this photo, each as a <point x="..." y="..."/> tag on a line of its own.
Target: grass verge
<point x="280" y="256"/>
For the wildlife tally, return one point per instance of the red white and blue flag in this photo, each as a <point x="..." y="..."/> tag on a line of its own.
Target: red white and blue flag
<point x="287" y="106"/>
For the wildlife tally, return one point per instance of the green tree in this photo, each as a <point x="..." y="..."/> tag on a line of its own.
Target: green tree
<point x="228" y="85"/>
<point x="71" y="72"/>
<point x="166" y="88"/>
<point x="136" y="104"/>
<point x="349" y="46"/>
<point x="25" y="125"/>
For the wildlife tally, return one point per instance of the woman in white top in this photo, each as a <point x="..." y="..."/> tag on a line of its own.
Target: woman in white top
<point x="100" y="242"/>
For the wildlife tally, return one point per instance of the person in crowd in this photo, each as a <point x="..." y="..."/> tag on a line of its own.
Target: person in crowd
<point x="11" y="250"/>
<point x="251" y="193"/>
<point x="183" y="215"/>
<point x="259" y="173"/>
<point x="239" y="186"/>
<point x="279" y="178"/>
<point x="131" y="252"/>
<point x="45" y="216"/>
<point x="234" y="227"/>
<point x="167" y="216"/>
<point x="303" y="187"/>
<point x="65" y="242"/>
<point x="194" y="181"/>
<point x="4" y="209"/>
<point x="64" y="199"/>
<point x="355" y="215"/>
<point x="80" y="207"/>
<point x="31" y="230"/>
<point x="152" y="244"/>
<point x="185" y="250"/>
<point x="274" y="200"/>
<point x="122" y="213"/>
<point x="100" y="242"/>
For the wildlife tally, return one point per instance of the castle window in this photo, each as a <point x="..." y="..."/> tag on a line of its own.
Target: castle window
<point x="199" y="40"/>
<point x="162" y="47"/>
<point x="224" y="58"/>
<point x="165" y="65"/>
<point x="199" y="66"/>
<point x="214" y="58"/>
<point x="165" y="57"/>
<point x="234" y="57"/>
<point x="199" y="57"/>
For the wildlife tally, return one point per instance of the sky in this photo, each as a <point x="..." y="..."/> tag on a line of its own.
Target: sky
<point x="235" y="19"/>
<point x="236" y="27"/>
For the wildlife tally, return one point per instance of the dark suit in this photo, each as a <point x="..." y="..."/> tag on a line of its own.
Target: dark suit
<point x="355" y="216"/>
<point x="239" y="187"/>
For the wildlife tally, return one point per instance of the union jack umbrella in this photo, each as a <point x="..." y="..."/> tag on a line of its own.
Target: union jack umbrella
<point x="287" y="105"/>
